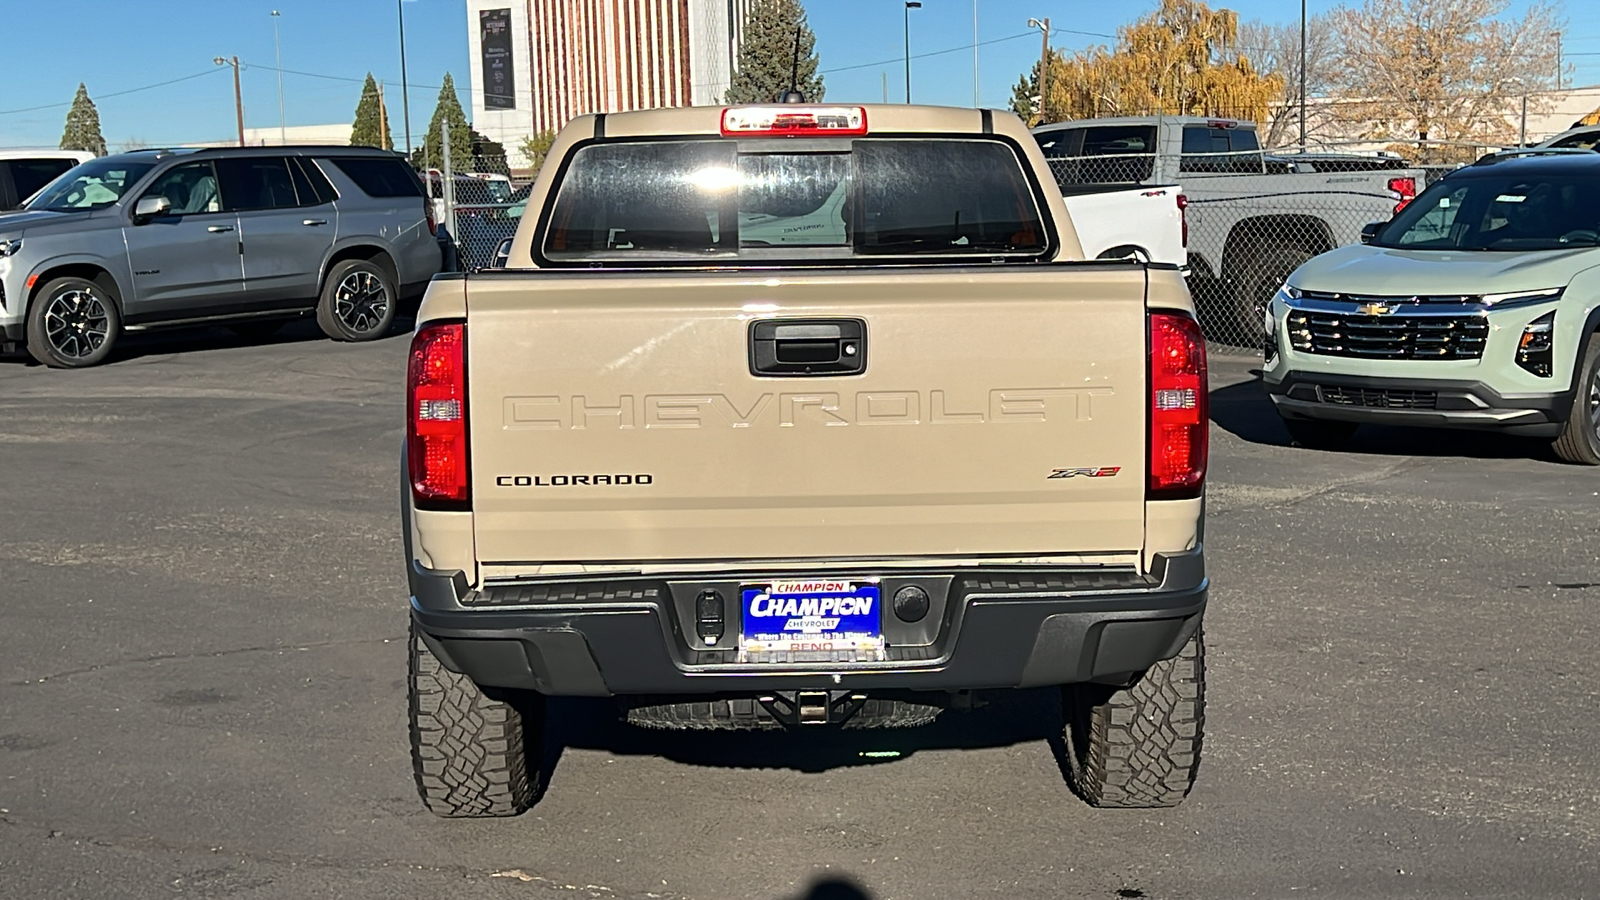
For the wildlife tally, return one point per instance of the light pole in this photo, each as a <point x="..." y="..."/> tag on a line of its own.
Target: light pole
<point x="238" y="96"/>
<point x="405" y="91"/>
<point x="977" y="99"/>
<point x="1302" y="76"/>
<point x="910" y="5"/>
<point x="1558" y="59"/>
<point x="277" y="47"/>
<point x="1044" y="61"/>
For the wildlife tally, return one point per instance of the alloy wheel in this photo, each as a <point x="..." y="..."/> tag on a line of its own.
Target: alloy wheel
<point x="1594" y="403"/>
<point x="361" y="302"/>
<point x="76" y="323"/>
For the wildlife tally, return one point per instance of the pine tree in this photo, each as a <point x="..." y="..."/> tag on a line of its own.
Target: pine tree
<point x="448" y="111"/>
<point x="766" y="58"/>
<point x="371" y="125"/>
<point x="83" y="125"/>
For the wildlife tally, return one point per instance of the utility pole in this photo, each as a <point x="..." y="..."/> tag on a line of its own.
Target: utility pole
<point x="1522" y="138"/>
<point x="910" y="5"/>
<point x="1044" y="61"/>
<point x="238" y="96"/>
<point x="885" y="86"/>
<point x="405" y="92"/>
<point x="977" y="100"/>
<point x="1558" y="60"/>
<point x="1302" y="76"/>
<point x="277" y="46"/>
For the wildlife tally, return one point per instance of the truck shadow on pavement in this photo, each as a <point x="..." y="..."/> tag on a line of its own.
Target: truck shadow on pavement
<point x="1244" y="411"/>
<point x="998" y="719"/>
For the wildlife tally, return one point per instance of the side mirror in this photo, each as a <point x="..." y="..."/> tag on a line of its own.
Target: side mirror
<point x="150" y="208"/>
<point x="502" y="255"/>
<point x="1370" y="231"/>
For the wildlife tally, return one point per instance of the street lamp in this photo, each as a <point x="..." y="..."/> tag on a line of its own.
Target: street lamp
<point x="238" y="96"/>
<point x="277" y="46"/>
<point x="405" y="91"/>
<point x="910" y="5"/>
<point x="1044" y="61"/>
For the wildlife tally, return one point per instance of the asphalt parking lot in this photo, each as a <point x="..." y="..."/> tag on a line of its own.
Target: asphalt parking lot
<point x="202" y="680"/>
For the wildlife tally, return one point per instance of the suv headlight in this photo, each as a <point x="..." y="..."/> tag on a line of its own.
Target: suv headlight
<point x="1534" y="349"/>
<point x="1290" y="291"/>
<point x="1518" y="298"/>
<point x="9" y="246"/>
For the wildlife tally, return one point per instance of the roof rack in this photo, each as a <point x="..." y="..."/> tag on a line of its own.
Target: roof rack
<point x="1515" y="152"/>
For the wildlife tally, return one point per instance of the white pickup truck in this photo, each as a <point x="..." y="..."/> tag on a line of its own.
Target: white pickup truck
<point x="1248" y="229"/>
<point x="1147" y="223"/>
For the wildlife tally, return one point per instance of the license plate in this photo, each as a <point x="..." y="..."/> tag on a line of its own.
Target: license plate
<point x="818" y="620"/>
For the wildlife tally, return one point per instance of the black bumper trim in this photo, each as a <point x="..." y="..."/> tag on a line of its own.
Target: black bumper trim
<point x="1460" y="404"/>
<point x="1003" y="629"/>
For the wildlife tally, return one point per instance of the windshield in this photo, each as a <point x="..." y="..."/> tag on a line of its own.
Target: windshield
<point x="1503" y="212"/>
<point x="677" y="200"/>
<point x="94" y="185"/>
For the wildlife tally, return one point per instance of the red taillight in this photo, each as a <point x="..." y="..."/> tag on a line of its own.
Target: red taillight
<point x="1406" y="188"/>
<point x="436" y="417"/>
<point x="1179" y="423"/>
<point x="1183" y="213"/>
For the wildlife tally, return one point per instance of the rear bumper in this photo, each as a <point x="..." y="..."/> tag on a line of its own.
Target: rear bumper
<point x="987" y="629"/>
<point x="1450" y="403"/>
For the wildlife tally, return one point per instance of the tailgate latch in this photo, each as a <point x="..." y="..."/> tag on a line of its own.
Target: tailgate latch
<point x="791" y="347"/>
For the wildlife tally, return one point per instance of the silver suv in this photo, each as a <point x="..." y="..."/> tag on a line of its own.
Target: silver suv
<point x="243" y="237"/>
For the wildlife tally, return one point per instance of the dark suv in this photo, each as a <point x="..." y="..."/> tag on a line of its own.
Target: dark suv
<point x="244" y="237"/>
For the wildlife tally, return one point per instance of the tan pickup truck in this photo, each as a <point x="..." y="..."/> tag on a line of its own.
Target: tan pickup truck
<point x="804" y="416"/>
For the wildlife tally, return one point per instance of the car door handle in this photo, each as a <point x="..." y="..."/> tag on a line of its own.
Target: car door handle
<point x="313" y="221"/>
<point x="218" y="229"/>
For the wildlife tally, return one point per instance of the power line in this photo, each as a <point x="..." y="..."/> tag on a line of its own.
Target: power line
<point x="7" y="112"/>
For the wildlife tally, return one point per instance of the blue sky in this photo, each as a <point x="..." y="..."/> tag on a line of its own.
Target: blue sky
<point x="117" y="45"/>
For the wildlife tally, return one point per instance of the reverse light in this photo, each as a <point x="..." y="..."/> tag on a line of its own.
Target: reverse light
<point x="1406" y="188"/>
<point x="436" y="417"/>
<point x="1534" y="350"/>
<point x="1179" y="421"/>
<point x="791" y="121"/>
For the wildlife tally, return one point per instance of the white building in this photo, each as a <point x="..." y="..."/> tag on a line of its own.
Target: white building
<point x="335" y="134"/>
<point x="536" y="64"/>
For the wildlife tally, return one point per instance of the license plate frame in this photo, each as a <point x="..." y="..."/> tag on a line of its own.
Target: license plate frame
<point x="814" y="620"/>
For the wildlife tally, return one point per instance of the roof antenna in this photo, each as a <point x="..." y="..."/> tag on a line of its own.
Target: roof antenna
<point x="793" y="95"/>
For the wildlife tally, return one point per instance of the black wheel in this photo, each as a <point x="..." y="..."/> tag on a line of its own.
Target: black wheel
<point x="1138" y="747"/>
<point x="257" y="331"/>
<point x="473" y="756"/>
<point x="1262" y="277"/>
<point x="1580" y="438"/>
<point x="72" y="323"/>
<point x="357" y="302"/>
<point x="1320" y="434"/>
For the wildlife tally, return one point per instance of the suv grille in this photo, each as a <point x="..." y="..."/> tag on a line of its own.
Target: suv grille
<point x="1377" y="398"/>
<point x="1388" y="337"/>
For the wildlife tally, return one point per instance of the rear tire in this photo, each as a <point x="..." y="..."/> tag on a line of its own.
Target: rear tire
<point x="1580" y="437"/>
<point x="1320" y="434"/>
<point x="358" y="301"/>
<point x="1260" y="282"/>
<point x="473" y="756"/>
<point x="73" y="323"/>
<point x="1138" y="747"/>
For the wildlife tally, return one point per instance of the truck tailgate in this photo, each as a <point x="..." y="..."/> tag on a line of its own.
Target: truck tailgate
<point x="615" y="416"/>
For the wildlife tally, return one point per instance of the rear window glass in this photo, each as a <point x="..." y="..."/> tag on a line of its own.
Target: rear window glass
<point x="379" y="177"/>
<point x="1208" y="149"/>
<point x="29" y="175"/>
<point x="825" y="200"/>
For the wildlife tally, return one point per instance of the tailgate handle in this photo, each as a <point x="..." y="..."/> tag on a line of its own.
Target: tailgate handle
<point x="801" y="347"/>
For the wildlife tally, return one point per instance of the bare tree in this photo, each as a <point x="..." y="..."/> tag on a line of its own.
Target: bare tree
<point x="1443" y="70"/>
<point x="1276" y="51"/>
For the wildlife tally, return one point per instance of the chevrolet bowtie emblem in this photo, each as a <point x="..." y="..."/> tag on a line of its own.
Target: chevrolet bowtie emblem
<point x="1375" y="309"/>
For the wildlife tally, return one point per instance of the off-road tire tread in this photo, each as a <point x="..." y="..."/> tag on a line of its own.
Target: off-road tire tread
<point x="1577" y="443"/>
<point x="749" y="715"/>
<point x="469" y="753"/>
<point x="1139" y="748"/>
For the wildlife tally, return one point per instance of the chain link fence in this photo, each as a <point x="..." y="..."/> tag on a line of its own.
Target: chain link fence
<point x="1255" y="216"/>
<point x="477" y="207"/>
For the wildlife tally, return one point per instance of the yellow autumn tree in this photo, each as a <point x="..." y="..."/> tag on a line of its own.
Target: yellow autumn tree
<point x="1179" y="60"/>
